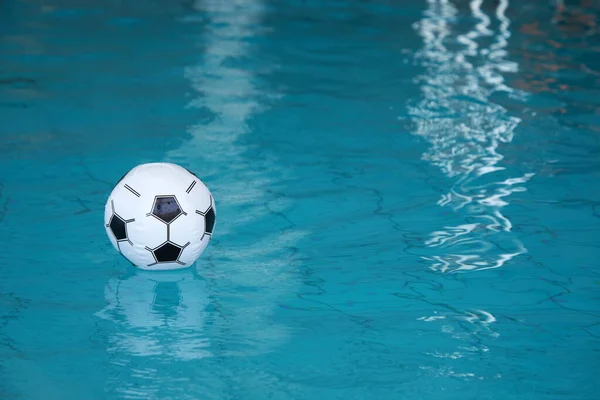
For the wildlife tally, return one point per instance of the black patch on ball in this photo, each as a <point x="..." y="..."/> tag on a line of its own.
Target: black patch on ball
<point x="168" y="252"/>
<point x="209" y="218"/>
<point x="117" y="226"/>
<point x="166" y="208"/>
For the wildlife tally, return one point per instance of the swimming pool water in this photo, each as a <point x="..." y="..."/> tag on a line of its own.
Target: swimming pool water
<point x="408" y="199"/>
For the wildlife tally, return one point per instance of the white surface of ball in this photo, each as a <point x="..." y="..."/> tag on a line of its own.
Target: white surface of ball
<point x="160" y="216"/>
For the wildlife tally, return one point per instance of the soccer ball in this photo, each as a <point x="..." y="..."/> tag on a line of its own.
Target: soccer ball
<point x="160" y="216"/>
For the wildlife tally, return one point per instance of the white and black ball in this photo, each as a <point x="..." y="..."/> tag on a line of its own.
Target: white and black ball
<point x="160" y="216"/>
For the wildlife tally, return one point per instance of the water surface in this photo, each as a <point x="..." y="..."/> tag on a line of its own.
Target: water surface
<point x="407" y="198"/>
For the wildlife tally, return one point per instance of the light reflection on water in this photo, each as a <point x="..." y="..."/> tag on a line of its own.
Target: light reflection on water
<point x="463" y="68"/>
<point x="162" y="314"/>
<point x="214" y="82"/>
<point x="226" y="312"/>
<point x="465" y="131"/>
<point x="233" y="95"/>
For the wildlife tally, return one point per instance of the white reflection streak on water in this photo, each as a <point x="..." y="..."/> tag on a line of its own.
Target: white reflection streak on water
<point x="181" y="329"/>
<point x="465" y="131"/>
<point x="234" y="95"/>
<point x="172" y="330"/>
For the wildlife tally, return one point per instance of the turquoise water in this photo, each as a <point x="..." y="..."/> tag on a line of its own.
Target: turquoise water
<point x="408" y="197"/>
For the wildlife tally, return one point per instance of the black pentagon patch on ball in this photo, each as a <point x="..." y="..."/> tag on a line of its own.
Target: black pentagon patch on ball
<point x="209" y="218"/>
<point x="166" y="208"/>
<point x="117" y="227"/>
<point x="167" y="252"/>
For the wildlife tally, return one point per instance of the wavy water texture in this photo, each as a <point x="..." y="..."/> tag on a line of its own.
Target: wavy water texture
<point x="465" y="131"/>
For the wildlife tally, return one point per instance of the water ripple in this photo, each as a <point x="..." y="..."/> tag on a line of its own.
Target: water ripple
<point x="465" y="131"/>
